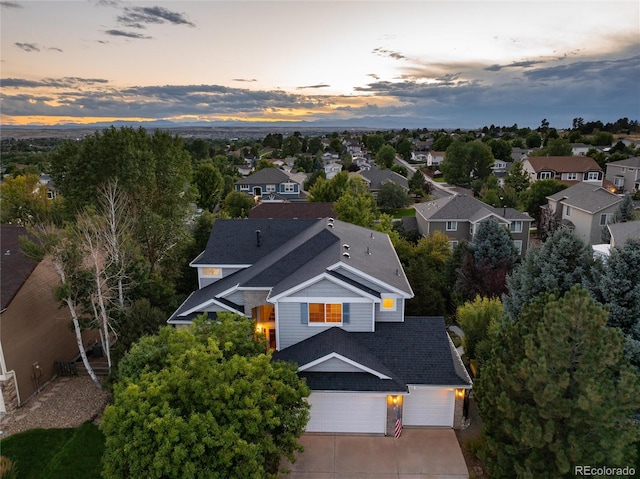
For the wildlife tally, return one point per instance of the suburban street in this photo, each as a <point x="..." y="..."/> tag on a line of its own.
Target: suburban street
<point x="438" y="190"/>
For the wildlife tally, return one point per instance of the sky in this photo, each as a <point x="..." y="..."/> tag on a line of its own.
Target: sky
<point x="418" y="64"/>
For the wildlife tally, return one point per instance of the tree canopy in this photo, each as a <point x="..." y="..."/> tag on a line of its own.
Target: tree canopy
<point x="393" y="196"/>
<point x="465" y="161"/>
<point x="386" y="156"/>
<point x="203" y="403"/>
<point x="557" y="391"/>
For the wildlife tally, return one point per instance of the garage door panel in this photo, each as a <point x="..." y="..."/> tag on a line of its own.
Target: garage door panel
<point x="347" y="412"/>
<point x="428" y="407"/>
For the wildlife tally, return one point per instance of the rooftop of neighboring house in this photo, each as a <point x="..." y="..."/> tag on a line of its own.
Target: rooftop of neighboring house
<point x="633" y="162"/>
<point x="376" y="178"/>
<point x="464" y="207"/>
<point x="308" y="210"/>
<point x="586" y="197"/>
<point x="416" y="351"/>
<point x="265" y="176"/>
<point x="621" y="232"/>
<point x="15" y="268"/>
<point x="563" y="164"/>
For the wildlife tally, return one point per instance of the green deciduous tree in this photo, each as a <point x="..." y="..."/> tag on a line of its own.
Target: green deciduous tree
<point x="536" y="196"/>
<point x="291" y="146"/>
<point x="237" y="204"/>
<point x="465" y="161"/>
<point x="203" y="403"/>
<point x="477" y="319"/>
<point x="561" y="262"/>
<point x="356" y="207"/>
<point x="23" y="201"/>
<point x="393" y="196"/>
<point x="210" y="185"/>
<point x="374" y="143"/>
<point x="501" y="149"/>
<point x="386" y="156"/>
<point x="533" y="140"/>
<point x="557" y="392"/>
<point x="517" y="178"/>
<point x="405" y="148"/>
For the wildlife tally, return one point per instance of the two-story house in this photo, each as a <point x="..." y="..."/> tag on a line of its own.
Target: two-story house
<point x="271" y="184"/>
<point x="435" y="158"/>
<point x="376" y="178"/>
<point x="329" y="296"/>
<point x="624" y="174"/>
<point x="568" y="169"/>
<point x="585" y="209"/>
<point x="459" y="216"/>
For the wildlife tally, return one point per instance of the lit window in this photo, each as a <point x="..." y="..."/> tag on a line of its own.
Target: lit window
<point x="212" y="272"/>
<point x="388" y="304"/>
<point x="452" y="226"/>
<point x="325" y="313"/>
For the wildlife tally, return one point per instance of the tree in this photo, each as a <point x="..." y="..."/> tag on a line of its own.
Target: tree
<point x="477" y="319"/>
<point x="623" y="213"/>
<point x="291" y="146"/>
<point x="386" y="156"/>
<point x="262" y="164"/>
<point x="210" y="185"/>
<point x="536" y="196"/>
<point x="392" y="196"/>
<point x="618" y="286"/>
<point x="554" y="147"/>
<point x="24" y="201"/>
<point x="501" y="149"/>
<point x="374" y="143"/>
<point x="465" y="161"/>
<point x="441" y="142"/>
<point x="405" y="148"/>
<point x="555" y="376"/>
<point x="203" y="403"/>
<point x="356" y="207"/>
<point x="237" y="204"/>
<point x="331" y="190"/>
<point x="561" y="262"/>
<point x="517" y="178"/>
<point x="416" y="183"/>
<point x="533" y="140"/>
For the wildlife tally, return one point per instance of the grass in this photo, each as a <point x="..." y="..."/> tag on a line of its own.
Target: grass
<point x="404" y="213"/>
<point x="56" y="453"/>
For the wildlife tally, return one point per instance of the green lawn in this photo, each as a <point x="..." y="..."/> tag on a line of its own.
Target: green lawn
<point x="56" y="453"/>
<point x="405" y="212"/>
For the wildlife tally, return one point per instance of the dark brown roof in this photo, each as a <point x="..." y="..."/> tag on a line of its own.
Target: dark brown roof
<point x="14" y="267"/>
<point x="564" y="164"/>
<point x="286" y="210"/>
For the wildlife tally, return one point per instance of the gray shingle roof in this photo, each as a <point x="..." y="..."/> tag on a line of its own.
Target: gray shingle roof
<point x="264" y="176"/>
<point x="308" y="210"/>
<point x="461" y="207"/>
<point x="633" y="162"/>
<point x="621" y="232"/>
<point x="415" y="351"/>
<point x="378" y="177"/>
<point x="591" y="198"/>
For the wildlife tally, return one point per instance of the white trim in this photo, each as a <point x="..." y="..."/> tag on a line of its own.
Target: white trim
<point x="314" y="280"/>
<point x="217" y="265"/>
<point x="374" y="280"/>
<point x="277" y="316"/>
<point x="201" y="307"/>
<point x="350" y="362"/>
<point x="326" y="299"/>
<point x="395" y="303"/>
<point x="253" y="288"/>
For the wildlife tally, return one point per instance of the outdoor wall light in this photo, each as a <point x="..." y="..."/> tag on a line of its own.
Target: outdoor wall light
<point x="460" y="393"/>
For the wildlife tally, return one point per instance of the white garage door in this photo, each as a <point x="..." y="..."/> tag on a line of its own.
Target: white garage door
<point x="347" y="412"/>
<point x="425" y="406"/>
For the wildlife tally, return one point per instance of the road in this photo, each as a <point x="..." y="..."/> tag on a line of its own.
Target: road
<point x="438" y="190"/>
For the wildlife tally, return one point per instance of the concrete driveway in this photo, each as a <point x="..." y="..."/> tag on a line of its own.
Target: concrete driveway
<point x="417" y="454"/>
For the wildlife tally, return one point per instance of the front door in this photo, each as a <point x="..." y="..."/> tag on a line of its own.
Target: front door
<point x="257" y="191"/>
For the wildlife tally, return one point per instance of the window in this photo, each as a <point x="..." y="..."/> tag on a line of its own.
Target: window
<point x="452" y="226"/>
<point x="217" y="272"/>
<point x="516" y="226"/>
<point x="604" y="219"/>
<point x="572" y="176"/>
<point x="270" y="188"/>
<point x="518" y="245"/>
<point x="325" y="313"/>
<point x="388" y="304"/>
<point x="567" y="210"/>
<point x="453" y="244"/>
<point x="618" y="181"/>
<point x="593" y="176"/>
<point x="244" y="187"/>
<point x="290" y="187"/>
<point x="545" y="175"/>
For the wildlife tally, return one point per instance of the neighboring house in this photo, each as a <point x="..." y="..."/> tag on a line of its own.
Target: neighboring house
<point x="580" y="149"/>
<point x="271" y="184"/>
<point x="624" y="174"/>
<point x="459" y="216"/>
<point x="329" y="296"/>
<point x="500" y="169"/>
<point x="621" y="232"/>
<point x="568" y="169"/>
<point x="332" y="169"/>
<point x="435" y="158"/>
<point x="353" y="147"/>
<point x="47" y="182"/>
<point x="375" y="178"/>
<point x="35" y="331"/>
<point x="419" y="157"/>
<point x="585" y="209"/>
<point x="519" y="154"/>
<point x="306" y="210"/>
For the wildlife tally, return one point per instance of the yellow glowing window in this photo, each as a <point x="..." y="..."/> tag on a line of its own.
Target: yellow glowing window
<point x="325" y="313"/>
<point x="211" y="272"/>
<point x="388" y="303"/>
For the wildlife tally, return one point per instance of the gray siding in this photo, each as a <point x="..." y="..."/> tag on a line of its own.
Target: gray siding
<point x="291" y="331"/>
<point x="389" y="316"/>
<point x="334" y="365"/>
<point x="236" y="297"/>
<point x="324" y="288"/>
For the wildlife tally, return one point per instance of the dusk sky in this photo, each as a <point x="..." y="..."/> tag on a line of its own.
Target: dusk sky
<point x="426" y="64"/>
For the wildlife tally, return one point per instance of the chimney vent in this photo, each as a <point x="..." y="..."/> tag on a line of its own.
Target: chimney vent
<point x="258" y="238"/>
<point x="346" y="246"/>
<point x="368" y="250"/>
<point x="345" y="254"/>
